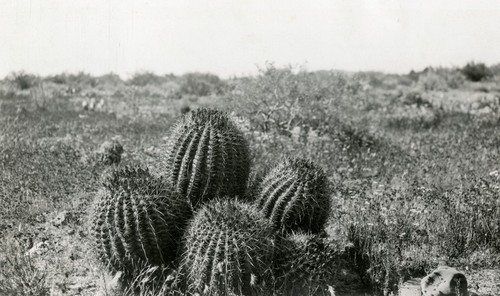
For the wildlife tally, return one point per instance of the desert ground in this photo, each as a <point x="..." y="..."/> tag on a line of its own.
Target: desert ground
<point x="412" y="161"/>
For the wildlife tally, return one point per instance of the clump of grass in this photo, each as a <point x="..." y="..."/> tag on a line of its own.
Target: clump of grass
<point x="18" y="273"/>
<point x="154" y="281"/>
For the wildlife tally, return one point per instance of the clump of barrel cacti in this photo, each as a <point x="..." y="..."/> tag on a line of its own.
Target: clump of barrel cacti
<point x="137" y="218"/>
<point x="228" y="249"/>
<point x="110" y="152"/>
<point x="294" y="196"/>
<point x="305" y="265"/>
<point x="207" y="156"/>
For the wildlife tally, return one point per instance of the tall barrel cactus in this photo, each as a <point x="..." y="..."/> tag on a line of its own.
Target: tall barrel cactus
<point x="137" y="219"/>
<point x="294" y="196"/>
<point x="207" y="156"/>
<point x="228" y="249"/>
<point x="306" y="264"/>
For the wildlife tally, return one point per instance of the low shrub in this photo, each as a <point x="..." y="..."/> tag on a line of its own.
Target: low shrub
<point x="22" y="80"/>
<point x="476" y="71"/>
<point x="201" y="84"/>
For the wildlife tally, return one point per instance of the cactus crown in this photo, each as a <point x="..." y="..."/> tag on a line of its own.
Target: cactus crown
<point x="207" y="156"/>
<point x="127" y="178"/>
<point x="228" y="249"/>
<point x="202" y="117"/>
<point x="294" y="196"/>
<point x="137" y="218"/>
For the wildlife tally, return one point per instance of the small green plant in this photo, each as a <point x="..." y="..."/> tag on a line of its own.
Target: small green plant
<point x="294" y="196"/>
<point x="228" y="250"/>
<point x="137" y="218"/>
<point x="207" y="156"/>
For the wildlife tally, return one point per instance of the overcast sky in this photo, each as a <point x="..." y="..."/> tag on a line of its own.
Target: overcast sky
<point x="234" y="37"/>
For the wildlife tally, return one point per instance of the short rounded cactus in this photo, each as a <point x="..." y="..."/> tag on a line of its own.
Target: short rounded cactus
<point x="294" y="196"/>
<point x="228" y="249"/>
<point x="207" y="156"/>
<point x="305" y="265"/>
<point x="137" y="218"/>
<point x="110" y="152"/>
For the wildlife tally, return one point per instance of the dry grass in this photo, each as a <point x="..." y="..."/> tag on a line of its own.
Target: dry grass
<point x="412" y="186"/>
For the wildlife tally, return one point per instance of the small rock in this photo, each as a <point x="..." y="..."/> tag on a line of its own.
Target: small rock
<point x="74" y="256"/>
<point x="152" y="151"/>
<point x="100" y="105"/>
<point x="444" y="281"/>
<point x="60" y="219"/>
<point x="38" y="249"/>
<point x="92" y="104"/>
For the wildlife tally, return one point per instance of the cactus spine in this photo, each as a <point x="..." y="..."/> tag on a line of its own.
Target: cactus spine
<point x="305" y="264"/>
<point x="294" y="196"/>
<point x="228" y="249"/>
<point x="207" y="156"/>
<point x="136" y="218"/>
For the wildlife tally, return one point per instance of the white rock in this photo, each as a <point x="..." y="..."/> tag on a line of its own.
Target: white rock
<point x="444" y="281"/>
<point x="38" y="249"/>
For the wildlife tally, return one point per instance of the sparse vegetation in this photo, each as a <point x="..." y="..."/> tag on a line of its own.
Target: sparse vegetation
<point x="412" y="166"/>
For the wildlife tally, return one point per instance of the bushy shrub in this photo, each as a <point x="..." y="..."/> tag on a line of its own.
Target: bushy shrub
<point x="146" y="78"/>
<point x="57" y="79"/>
<point x="22" y="80"/>
<point x="78" y="80"/>
<point x="110" y="79"/>
<point x="476" y="71"/>
<point x="201" y="84"/>
<point x="431" y="81"/>
<point x="281" y="100"/>
<point x="439" y="79"/>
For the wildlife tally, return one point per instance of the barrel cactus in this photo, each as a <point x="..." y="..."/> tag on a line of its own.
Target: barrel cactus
<point x="294" y="196"/>
<point x="207" y="156"/>
<point x="228" y="249"/>
<point x="306" y="264"/>
<point x="110" y="152"/>
<point x="137" y="219"/>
